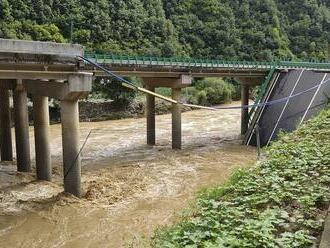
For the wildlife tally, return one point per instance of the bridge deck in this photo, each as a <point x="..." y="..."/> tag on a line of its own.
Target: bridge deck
<point x="174" y="67"/>
<point x="36" y="56"/>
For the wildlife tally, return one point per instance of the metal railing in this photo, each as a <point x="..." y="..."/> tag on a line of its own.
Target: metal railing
<point x="262" y="91"/>
<point x="124" y="60"/>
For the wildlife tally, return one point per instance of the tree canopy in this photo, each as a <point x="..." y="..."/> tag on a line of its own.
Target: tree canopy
<point x="229" y="29"/>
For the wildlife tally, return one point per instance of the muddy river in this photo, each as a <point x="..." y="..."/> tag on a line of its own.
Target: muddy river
<point x="131" y="189"/>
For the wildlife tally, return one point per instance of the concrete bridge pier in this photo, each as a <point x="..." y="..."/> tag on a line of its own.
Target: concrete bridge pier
<point x="246" y="83"/>
<point x="245" y="111"/>
<point x="43" y="70"/>
<point x="68" y="89"/>
<point x="70" y="139"/>
<point x="151" y="117"/>
<point x="176" y="84"/>
<point x="176" y="120"/>
<point x="42" y="140"/>
<point x="5" y="126"/>
<point x="21" y="128"/>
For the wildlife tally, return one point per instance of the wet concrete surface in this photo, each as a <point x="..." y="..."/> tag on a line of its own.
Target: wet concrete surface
<point x="130" y="189"/>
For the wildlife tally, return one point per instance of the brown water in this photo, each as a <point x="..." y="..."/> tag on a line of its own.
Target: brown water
<point x="132" y="189"/>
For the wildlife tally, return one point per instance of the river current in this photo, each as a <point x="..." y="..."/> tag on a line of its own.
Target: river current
<point x="130" y="189"/>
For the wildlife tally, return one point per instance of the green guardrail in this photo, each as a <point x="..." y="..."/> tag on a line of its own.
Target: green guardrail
<point x="108" y="58"/>
<point x="262" y="91"/>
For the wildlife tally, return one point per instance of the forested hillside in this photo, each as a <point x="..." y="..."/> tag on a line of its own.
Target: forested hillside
<point x="236" y="29"/>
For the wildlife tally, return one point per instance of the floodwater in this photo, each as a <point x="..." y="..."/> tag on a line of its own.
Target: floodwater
<point x="131" y="189"/>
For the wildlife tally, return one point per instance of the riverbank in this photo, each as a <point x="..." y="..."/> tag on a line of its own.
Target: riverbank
<point x="281" y="202"/>
<point x="131" y="189"/>
<point x="103" y="110"/>
<point x="95" y="110"/>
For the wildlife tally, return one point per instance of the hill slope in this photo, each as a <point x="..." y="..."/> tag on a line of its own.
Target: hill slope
<point x="241" y="29"/>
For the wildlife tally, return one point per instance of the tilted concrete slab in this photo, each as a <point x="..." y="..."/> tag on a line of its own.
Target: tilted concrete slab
<point x="40" y="48"/>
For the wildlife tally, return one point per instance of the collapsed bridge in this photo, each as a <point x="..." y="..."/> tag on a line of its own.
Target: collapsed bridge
<point x="299" y="94"/>
<point x="49" y="70"/>
<point x="276" y="80"/>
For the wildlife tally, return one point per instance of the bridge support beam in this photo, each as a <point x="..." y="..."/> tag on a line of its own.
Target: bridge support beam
<point x="176" y="120"/>
<point x="5" y="126"/>
<point x="151" y="117"/>
<point x="176" y="84"/>
<point x="42" y="141"/>
<point x="245" y="111"/>
<point x="70" y="139"/>
<point x="21" y="129"/>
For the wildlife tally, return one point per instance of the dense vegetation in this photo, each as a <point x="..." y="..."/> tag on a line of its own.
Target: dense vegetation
<point x="212" y="91"/>
<point x="242" y="29"/>
<point x="281" y="202"/>
<point x="227" y="29"/>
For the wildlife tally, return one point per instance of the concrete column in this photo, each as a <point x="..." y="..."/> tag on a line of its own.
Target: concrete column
<point x="70" y="139"/>
<point x="5" y="126"/>
<point x="151" y="118"/>
<point x="245" y="111"/>
<point x="41" y="134"/>
<point x="22" y="130"/>
<point x="176" y="120"/>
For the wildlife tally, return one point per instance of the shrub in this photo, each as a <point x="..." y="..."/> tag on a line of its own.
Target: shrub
<point x="111" y="89"/>
<point x="164" y="91"/>
<point x="191" y="95"/>
<point x="202" y="97"/>
<point x="212" y="91"/>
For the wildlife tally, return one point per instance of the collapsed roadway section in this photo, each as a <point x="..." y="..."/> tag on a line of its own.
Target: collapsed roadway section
<point x="297" y="94"/>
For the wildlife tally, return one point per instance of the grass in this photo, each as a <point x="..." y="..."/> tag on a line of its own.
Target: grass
<point x="281" y="202"/>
